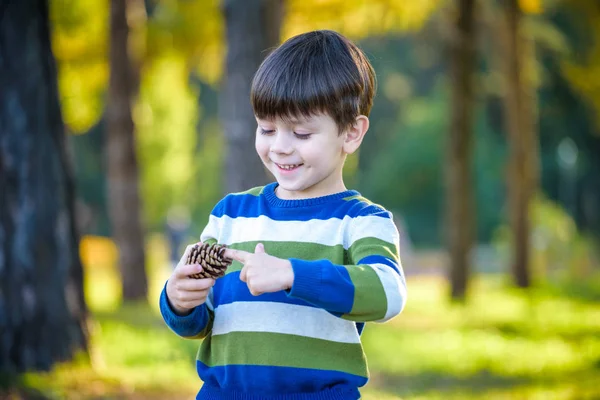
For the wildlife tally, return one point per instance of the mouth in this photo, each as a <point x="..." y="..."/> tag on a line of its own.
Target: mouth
<point x="288" y="167"/>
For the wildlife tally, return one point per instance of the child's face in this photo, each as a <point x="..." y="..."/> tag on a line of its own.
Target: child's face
<point x="306" y="156"/>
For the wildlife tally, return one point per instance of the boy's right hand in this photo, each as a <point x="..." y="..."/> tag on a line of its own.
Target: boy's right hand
<point x="185" y="293"/>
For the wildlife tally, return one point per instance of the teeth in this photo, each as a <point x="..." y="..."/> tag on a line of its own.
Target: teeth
<point x="288" y="167"/>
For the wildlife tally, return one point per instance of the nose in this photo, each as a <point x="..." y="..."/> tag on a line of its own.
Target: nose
<point x="281" y="144"/>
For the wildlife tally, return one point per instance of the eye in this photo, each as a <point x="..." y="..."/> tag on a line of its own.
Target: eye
<point x="302" y="136"/>
<point x="266" y="131"/>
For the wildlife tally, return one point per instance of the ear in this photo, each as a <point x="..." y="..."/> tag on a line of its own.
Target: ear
<point x="355" y="134"/>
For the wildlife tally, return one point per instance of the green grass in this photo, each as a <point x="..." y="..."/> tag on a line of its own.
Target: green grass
<point x="504" y="343"/>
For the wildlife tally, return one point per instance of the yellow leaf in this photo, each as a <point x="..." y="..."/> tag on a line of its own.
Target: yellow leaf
<point x="80" y="45"/>
<point x="531" y="6"/>
<point x="97" y="251"/>
<point x="357" y="18"/>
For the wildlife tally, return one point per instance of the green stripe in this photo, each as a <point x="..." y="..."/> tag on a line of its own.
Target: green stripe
<point x="371" y="246"/>
<point x="210" y="241"/>
<point x="361" y="199"/>
<point x="370" y="302"/>
<point x="254" y="191"/>
<point x="281" y="350"/>
<point x="286" y="250"/>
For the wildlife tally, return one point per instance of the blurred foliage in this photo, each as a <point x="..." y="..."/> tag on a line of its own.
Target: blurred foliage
<point x="179" y="47"/>
<point x="559" y="252"/>
<point x="417" y="145"/>
<point x="357" y="18"/>
<point x="531" y="6"/>
<point x="80" y="45"/>
<point x="583" y="70"/>
<point x="166" y="117"/>
<point x="191" y="29"/>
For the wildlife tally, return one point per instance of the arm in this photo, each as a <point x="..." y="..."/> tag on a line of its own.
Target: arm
<point x="371" y="287"/>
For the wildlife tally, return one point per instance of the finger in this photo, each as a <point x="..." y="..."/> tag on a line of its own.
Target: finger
<point x="185" y="296"/>
<point x="192" y="299"/>
<point x="184" y="271"/>
<point x="243" y="273"/>
<point x="195" y="285"/>
<point x="237" y="255"/>
<point x="186" y="253"/>
<point x="260" y="248"/>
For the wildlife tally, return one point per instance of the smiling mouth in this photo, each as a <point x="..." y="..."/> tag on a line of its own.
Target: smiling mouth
<point x="288" y="167"/>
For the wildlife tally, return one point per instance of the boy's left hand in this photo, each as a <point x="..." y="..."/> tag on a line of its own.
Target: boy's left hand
<point x="261" y="272"/>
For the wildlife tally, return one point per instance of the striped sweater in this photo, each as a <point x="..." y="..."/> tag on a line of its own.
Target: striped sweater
<point x="303" y="343"/>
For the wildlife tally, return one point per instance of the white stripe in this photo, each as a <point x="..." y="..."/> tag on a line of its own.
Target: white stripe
<point x="395" y="290"/>
<point x="211" y="231"/>
<point x="291" y="319"/>
<point x="329" y="232"/>
<point x="377" y="227"/>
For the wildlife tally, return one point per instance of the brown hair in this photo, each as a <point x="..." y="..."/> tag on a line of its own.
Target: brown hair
<point x="315" y="72"/>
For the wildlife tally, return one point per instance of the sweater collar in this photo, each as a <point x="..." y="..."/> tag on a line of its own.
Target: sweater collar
<point x="269" y="193"/>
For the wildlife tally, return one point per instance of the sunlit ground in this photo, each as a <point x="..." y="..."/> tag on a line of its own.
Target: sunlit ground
<point x="503" y="345"/>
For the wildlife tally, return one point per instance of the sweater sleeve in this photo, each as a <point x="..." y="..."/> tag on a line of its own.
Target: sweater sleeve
<point x="370" y="287"/>
<point x="195" y="325"/>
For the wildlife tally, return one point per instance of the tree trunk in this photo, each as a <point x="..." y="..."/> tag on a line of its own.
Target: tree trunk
<point x="460" y="204"/>
<point x="522" y="179"/>
<point x="253" y="29"/>
<point x="124" y="201"/>
<point x="42" y="307"/>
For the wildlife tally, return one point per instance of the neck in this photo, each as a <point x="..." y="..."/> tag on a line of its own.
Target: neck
<point x="308" y="194"/>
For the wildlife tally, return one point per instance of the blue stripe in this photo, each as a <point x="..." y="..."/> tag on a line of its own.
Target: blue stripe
<point x="332" y="276"/>
<point x="377" y="259"/>
<point x="271" y="380"/>
<point x="230" y="289"/>
<point x="252" y="206"/>
<point x="323" y="284"/>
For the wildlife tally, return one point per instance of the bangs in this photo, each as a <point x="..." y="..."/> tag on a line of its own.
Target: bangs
<point x="308" y="75"/>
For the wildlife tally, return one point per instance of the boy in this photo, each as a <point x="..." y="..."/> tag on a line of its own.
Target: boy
<point x="312" y="261"/>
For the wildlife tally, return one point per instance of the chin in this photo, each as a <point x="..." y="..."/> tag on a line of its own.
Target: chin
<point x="290" y="188"/>
<point x="293" y="188"/>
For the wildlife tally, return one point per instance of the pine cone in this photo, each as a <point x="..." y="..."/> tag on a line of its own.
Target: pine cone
<point x="211" y="258"/>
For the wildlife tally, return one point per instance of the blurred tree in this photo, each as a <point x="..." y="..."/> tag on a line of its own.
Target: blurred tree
<point x="124" y="201"/>
<point x="519" y="103"/>
<point x="42" y="307"/>
<point x="459" y="187"/>
<point x="582" y="69"/>
<point x="90" y="178"/>
<point x="171" y="48"/>
<point x="252" y="30"/>
<point x="574" y="98"/>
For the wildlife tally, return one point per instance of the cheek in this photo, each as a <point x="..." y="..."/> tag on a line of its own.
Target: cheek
<point x="261" y="145"/>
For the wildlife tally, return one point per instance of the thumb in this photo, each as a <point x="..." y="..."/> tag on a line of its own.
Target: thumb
<point x="260" y="248"/>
